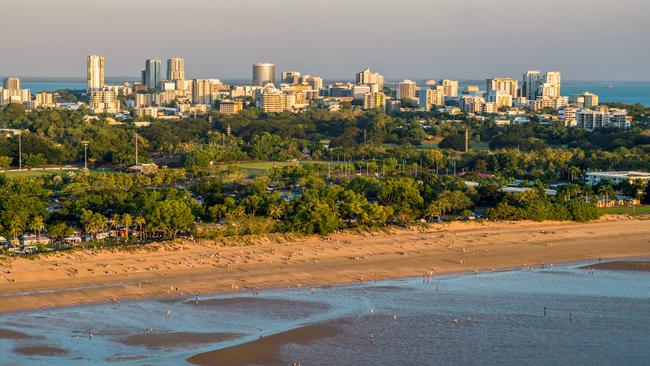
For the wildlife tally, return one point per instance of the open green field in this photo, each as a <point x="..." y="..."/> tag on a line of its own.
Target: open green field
<point x="254" y="169"/>
<point x="34" y="173"/>
<point x="639" y="210"/>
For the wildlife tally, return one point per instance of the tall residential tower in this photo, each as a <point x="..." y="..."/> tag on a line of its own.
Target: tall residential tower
<point x="95" y="69"/>
<point x="152" y="73"/>
<point x="175" y="69"/>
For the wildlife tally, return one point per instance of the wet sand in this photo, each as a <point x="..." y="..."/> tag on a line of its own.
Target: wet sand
<point x="621" y="266"/>
<point x="266" y="350"/>
<point x="14" y="335"/>
<point x="40" y="351"/>
<point x="171" y="340"/>
<point x="178" y="270"/>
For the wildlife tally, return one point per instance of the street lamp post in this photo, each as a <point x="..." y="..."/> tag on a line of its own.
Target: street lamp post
<point x="20" y="150"/>
<point x="85" y="143"/>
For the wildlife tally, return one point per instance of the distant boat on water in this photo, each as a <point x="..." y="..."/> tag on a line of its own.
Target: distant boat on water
<point x="609" y="86"/>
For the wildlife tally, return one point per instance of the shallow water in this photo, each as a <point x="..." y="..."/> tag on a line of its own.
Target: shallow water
<point x="489" y="318"/>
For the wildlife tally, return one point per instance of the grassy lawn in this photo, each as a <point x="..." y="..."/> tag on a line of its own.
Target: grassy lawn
<point x="639" y="210"/>
<point x="254" y="169"/>
<point x="480" y="146"/>
<point x="34" y="173"/>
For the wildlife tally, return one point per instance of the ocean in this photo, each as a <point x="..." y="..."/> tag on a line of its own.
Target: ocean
<point x="627" y="92"/>
<point x="545" y="316"/>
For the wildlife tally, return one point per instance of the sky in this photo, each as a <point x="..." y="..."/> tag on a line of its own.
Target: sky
<point x="416" y="39"/>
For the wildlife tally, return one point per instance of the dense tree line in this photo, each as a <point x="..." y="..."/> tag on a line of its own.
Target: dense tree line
<point x="289" y="199"/>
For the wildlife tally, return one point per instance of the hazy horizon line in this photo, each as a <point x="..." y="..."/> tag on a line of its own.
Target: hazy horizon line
<point x="340" y="78"/>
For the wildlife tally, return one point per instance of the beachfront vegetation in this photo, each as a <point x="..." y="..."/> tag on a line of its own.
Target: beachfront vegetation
<point x="311" y="172"/>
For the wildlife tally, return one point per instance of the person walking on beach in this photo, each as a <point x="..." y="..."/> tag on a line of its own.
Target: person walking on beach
<point x="544" y="310"/>
<point x="90" y="334"/>
<point x="196" y="298"/>
<point x="261" y="332"/>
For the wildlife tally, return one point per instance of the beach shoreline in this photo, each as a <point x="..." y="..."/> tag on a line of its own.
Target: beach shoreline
<point x="183" y="269"/>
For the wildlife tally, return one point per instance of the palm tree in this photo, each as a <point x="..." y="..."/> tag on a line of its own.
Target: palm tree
<point x="37" y="225"/>
<point x="606" y="191"/>
<point x="127" y="220"/>
<point x="219" y="211"/>
<point x="276" y="211"/>
<point x="98" y="223"/>
<point x="252" y="202"/>
<point x="139" y="221"/>
<point x="434" y="209"/>
<point x="86" y="220"/>
<point x="15" y="227"/>
<point x="574" y="171"/>
<point x="115" y="220"/>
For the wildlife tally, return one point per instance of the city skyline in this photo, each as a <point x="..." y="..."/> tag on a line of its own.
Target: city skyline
<point x="417" y="40"/>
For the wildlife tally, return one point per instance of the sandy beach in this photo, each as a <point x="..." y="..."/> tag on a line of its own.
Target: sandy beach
<point x="184" y="269"/>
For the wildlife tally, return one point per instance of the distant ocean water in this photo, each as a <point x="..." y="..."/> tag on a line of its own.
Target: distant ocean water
<point x="628" y="92"/>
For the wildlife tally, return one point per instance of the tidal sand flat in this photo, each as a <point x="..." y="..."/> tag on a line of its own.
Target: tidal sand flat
<point x="12" y="334"/>
<point x="40" y="351"/>
<point x="168" y="340"/>
<point x="265" y="350"/>
<point x="621" y="266"/>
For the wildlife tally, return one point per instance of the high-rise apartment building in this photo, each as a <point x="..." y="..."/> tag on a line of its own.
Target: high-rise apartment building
<point x="12" y="93"/>
<point x="450" y="87"/>
<point x="406" y="90"/>
<point x="315" y="82"/>
<point x="500" y="98"/>
<point x="506" y="85"/>
<point x="590" y="119"/>
<point x="12" y="83"/>
<point x="103" y="101"/>
<point x="431" y="97"/>
<point x="567" y="115"/>
<point x="472" y="104"/>
<point x="552" y="86"/>
<point x="204" y="91"/>
<point x="263" y="73"/>
<point x="95" y="68"/>
<point x="535" y="85"/>
<point x="531" y="81"/>
<point x="44" y="99"/>
<point x="290" y="77"/>
<point x="152" y="73"/>
<point x="359" y="91"/>
<point x="175" y="69"/>
<point x="368" y="77"/>
<point x="20" y="96"/>
<point x="375" y="101"/>
<point x="274" y="101"/>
